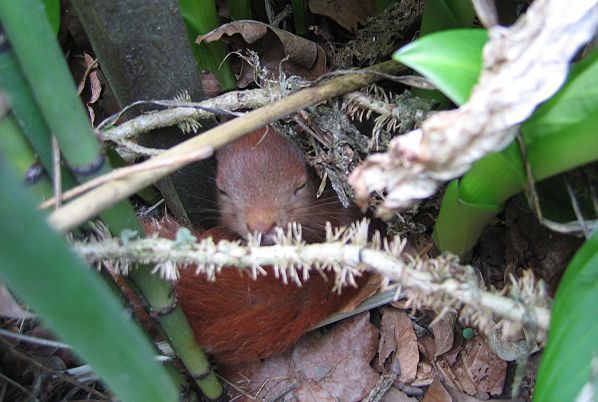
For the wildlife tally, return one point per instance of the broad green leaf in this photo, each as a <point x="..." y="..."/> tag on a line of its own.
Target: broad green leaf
<point x="573" y="336"/>
<point x="239" y="9"/>
<point x="498" y="176"/>
<point x="440" y="15"/>
<point x="575" y="101"/>
<point x="300" y="9"/>
<point x="452" y="60"/>
<point x="200" y="17"/>
<point x="53" y="12"/>
<point x="74" y="301"/>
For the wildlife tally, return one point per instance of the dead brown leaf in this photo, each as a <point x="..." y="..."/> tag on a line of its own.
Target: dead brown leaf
<point x="443" y="329"/>
<point x="371" y="287"/>
<point x="427" y="347"/>
<point x="351" y="380"/>
<point x="90" y="81"/>
<point x="464" y="381"/>
<point x="395" y="395"/>
<point x="437" y="393"/>
<point x="459" y="396"/>
<point x="309" y="391"/>
<point x="302" y="57"/>
<point x="261" y="379"/>
<point x="425" y="375"/>
<point x="484" y="367"/>
<point x="388" y="339"/>
<point x="397" y="335"/>
<point x="475" y="370"/>
<point x="334" y="365"/>
<point x="339" y="361"/>
<point x="347" y="13"/>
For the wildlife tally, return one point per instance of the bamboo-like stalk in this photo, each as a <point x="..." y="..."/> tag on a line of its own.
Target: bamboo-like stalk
<point x="73" y="301"/>
<point x="41" y="59"/>
<point x="19" y="154"/>
<point x="42" y="62"/>
<point x="26" y="110"/>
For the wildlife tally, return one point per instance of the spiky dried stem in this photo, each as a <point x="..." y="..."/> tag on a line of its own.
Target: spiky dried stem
<point x="347" y="252"/>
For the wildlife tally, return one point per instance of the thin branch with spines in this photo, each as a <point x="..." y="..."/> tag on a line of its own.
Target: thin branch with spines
<point x="347" y="252"/>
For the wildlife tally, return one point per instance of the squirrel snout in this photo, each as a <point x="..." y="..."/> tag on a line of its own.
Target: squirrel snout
<point x="262" y="221"/>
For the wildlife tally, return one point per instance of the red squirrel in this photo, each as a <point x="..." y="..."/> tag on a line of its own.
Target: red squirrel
<point x="263" y="183"/>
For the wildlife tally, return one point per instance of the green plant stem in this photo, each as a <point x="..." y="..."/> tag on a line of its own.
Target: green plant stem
<point x="42" y="62"/>
<point x="160" y="296"/>
<point x="18" y="153"/>
<point x="201" y="18"/>
<point x="28" y="113"/>
<point x="470" y="203"/>
<point x="72" y="300"/>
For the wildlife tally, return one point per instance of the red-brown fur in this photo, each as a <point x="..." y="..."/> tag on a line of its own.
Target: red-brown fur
<point x="263" y="182"/>
<point x="235" y="318"/>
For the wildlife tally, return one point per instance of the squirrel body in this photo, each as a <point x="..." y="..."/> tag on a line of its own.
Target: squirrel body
<point x="263" y="183"/>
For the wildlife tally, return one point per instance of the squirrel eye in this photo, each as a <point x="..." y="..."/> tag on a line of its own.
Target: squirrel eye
<point x="300" y="187"/>
<point x="221" y="191"/>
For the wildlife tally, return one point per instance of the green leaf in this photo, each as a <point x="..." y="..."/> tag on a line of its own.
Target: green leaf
<point x="300" y="8"/>
<point x="555" y="200"/>
<point x="200" y="17"/>
<point x="74" y="301"/>
<point x="452" y="60"/>
<point x="53" y="12"/>
<point x="575" y="101"/>
<point x="441" y="15"/>
<point x="239" y="9"/>
<point x="498" y="176"/>
<point x="573" y="336"/>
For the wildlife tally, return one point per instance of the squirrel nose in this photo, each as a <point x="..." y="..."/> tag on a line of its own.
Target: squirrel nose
<point x="260" y="221"/>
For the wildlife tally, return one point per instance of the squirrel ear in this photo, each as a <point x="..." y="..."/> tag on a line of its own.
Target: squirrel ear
<point x="220" y="185"/>
<point x="300" y="184"/>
